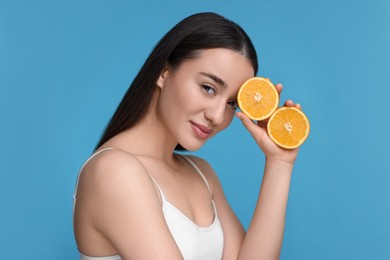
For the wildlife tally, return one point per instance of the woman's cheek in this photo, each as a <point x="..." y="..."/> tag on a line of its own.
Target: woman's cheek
<point x="229" y="115"/>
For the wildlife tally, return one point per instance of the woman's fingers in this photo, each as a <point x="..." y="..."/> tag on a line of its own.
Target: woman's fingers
<point x="290" y="103"/>
<point x="279" y="88"/>
<point x="250" y="125"/>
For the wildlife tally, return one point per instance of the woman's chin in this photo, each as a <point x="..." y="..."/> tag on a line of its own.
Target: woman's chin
<point x="193" y="146"/>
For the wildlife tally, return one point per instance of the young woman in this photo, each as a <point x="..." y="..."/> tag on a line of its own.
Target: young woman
<point x="139" y="199"/>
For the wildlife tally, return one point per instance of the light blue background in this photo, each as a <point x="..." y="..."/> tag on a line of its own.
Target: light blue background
<point x="64" y="66"/>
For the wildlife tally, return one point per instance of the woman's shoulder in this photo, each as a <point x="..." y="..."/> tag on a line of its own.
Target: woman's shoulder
<point x="111" y="168"/>
<point x="112" y="160"/>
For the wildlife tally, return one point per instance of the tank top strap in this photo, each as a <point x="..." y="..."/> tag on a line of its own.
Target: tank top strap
<point x="90" y="158"/>
<point x="158" y="186"/>
<point x="198" y="171"/>
<point x="78" y="176"/>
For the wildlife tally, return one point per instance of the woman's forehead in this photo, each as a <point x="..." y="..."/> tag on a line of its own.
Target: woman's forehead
<point x="226" y="65"/>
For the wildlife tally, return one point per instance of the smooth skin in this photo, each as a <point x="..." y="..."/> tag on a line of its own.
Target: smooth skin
<point x="118" y="209"/>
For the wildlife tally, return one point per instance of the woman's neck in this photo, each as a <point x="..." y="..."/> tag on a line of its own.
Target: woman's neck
<point x="149" y="137"/>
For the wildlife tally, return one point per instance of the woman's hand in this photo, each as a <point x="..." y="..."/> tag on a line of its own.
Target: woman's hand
<point x="259" y="133"/>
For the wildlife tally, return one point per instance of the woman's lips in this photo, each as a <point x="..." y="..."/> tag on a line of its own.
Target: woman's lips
<point x="201" y="131"/>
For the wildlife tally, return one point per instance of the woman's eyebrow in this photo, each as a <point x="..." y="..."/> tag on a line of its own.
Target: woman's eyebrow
<point x="215" y="78"/>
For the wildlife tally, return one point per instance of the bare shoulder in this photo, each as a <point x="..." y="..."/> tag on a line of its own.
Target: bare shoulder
<point x="111" y="173"/>
<point x="113" y="161"/>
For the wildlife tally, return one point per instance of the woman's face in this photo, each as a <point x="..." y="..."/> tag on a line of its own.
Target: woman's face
<point x="198" y="99"/>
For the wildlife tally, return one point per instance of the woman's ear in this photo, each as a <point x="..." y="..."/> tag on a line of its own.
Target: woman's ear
<point x="161" y="79"/>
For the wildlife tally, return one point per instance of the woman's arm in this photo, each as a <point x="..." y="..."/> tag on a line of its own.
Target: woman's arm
<point x="264" y="237"/>
<point x="265" y="233"/>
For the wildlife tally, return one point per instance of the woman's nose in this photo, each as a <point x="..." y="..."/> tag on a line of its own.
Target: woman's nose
<point x="216" y="113"/>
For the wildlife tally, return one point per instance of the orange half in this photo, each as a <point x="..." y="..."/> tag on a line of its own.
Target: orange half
<point x="288" y="127"/>
<point x="258" y="98"/>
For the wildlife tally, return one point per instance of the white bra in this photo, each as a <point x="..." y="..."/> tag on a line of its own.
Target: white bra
<point x="194" y="242"/>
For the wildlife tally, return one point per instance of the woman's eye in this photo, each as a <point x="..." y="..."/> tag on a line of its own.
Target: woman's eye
<point x="208" y="89"/>
<point x="233" y="104"/>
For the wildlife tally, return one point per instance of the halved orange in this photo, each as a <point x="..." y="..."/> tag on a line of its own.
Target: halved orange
<point x="258" y="98"/>
<point x="288" y="127"/>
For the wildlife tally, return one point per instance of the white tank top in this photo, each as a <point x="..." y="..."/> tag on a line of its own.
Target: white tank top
<point x="194" y="242"/>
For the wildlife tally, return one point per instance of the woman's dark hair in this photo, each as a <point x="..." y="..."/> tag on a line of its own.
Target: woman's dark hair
<point x="196" y="32"/>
